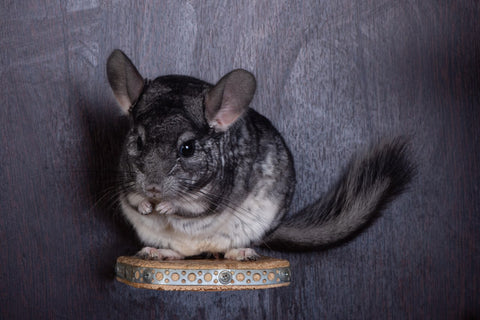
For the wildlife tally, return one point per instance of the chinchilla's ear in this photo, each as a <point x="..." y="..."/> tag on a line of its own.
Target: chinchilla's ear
<point x="125" y="80"/>
<point x="229" y="99"/>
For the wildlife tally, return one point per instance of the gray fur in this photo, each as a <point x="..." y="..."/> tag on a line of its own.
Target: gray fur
<point x="367" y="185"/>
<point x="202" y="172"/>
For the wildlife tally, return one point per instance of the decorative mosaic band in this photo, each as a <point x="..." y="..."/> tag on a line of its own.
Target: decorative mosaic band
<point x="203" y="277"/>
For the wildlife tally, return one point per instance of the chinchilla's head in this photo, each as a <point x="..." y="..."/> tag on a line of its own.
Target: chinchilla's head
<point x="175" y="150"/>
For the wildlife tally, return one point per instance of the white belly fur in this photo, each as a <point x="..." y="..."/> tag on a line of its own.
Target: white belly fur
<point x="215" y="233"/>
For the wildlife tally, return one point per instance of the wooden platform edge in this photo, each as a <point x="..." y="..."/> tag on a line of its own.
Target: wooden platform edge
<point x="203" y="274"/>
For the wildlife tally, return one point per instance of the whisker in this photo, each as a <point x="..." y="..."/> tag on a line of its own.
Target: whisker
<point x="245" y="217"/>
<point x="110" y="194"/>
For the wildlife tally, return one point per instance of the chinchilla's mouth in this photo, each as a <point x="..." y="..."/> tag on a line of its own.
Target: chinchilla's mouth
<point x="153" y="200"/>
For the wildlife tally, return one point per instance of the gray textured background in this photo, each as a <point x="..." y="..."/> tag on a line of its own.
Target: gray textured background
<point x="333" y="76"/>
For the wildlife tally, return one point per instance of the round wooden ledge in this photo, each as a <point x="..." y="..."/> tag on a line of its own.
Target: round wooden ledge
<point x="203" y="274"/>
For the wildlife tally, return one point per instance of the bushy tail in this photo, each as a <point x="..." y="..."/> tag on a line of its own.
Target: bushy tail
<point x="368" y="184"/>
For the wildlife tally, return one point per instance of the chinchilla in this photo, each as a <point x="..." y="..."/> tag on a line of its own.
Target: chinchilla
<point x="202" y="172"/>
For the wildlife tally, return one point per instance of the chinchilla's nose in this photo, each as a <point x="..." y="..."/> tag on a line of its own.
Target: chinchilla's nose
<point x="153" y="191"/>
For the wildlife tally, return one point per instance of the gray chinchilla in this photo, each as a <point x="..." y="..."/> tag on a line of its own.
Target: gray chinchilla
<point x="202" y="172"/>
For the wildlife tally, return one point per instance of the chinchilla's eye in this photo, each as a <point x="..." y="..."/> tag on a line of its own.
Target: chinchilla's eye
<point x="187" y="149"/>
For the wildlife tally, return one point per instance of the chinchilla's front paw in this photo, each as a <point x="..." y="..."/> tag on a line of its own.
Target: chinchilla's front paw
<point x="145" y="207"/>
<point x="164" y="208"/>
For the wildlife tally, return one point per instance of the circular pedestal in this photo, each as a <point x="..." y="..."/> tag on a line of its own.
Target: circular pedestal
<point x="203" y="274"/>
